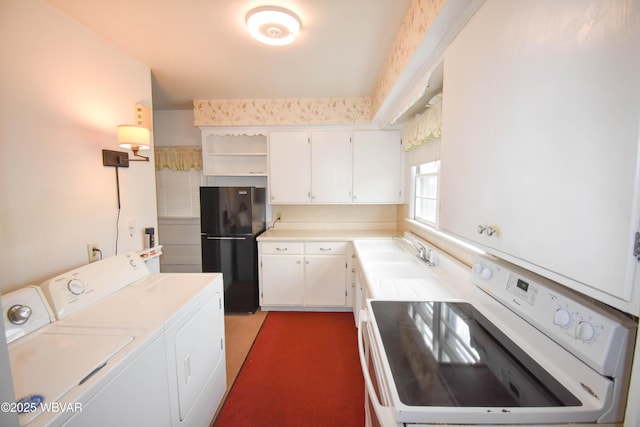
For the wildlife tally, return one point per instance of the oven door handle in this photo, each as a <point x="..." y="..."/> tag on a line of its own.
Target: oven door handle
<point x="384" y="414"/>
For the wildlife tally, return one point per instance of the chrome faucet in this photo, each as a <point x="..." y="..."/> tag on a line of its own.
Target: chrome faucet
<point x="423" y="254"/>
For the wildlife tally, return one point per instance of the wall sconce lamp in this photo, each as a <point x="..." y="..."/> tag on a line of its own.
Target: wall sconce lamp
<point x="131" y="137"/>
<point x="134" y="138"/>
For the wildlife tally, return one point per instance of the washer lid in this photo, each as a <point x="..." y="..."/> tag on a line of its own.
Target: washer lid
<point x="52" y="363"/>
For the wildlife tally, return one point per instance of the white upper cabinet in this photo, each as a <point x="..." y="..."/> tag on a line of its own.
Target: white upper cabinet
<point x="325" y="167"/>
<point x="539" y="152"/>
<point x="331" y="167"/>
<point x="377" y="167"/>
<point x="289" y="166"/>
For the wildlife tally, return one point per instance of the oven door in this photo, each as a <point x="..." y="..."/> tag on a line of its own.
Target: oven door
<point x="378" y="412"/>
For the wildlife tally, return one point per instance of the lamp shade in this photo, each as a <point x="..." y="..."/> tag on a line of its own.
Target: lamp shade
<point x="133" y="137"/>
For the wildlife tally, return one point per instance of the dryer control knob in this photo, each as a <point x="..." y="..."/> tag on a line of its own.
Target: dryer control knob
<point x="477" y="268"/>
<point x="133" y="263"/>
<point x="19" y="314"/>
<point x="75" y="286"/>
<point x="562" y="318"/>
<point x="585" y="331"/>
<point x="486" y="273"/>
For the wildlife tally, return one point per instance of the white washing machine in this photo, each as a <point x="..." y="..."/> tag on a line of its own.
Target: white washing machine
<point x="171" y="370"/>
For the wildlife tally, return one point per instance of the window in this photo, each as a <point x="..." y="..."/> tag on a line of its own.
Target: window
<point x="178" y="193"/>
<point x="425" y="192"/>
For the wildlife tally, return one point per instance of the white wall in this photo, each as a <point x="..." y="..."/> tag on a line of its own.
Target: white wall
<point x="180" y="236"/>
<point x="175" y="128"/>
<point x="64" y="91"/>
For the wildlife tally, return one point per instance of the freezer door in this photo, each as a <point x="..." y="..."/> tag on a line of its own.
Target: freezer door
<point x="226" y="211"/>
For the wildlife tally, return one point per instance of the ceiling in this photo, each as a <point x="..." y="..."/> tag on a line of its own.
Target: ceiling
<point x="201" y="49"/>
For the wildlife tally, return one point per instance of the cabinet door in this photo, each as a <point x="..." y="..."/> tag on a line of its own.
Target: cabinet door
<point x="377" y="167"/>
<point x="325" y="280"/>
<point x="331" y="167"/>
<point x="281" y="280"/>
<point x="289" y="167"/>
<point x="545" y="145"/>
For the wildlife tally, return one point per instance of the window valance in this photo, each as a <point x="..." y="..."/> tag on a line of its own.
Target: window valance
<point x="178" y="158"/>
<point x="424" y="127"/>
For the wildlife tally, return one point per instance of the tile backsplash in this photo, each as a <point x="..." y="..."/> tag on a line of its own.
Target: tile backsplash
<point x="336" y="216"/>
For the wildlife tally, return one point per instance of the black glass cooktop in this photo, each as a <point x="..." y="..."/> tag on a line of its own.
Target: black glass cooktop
<point x="448" y="354"/>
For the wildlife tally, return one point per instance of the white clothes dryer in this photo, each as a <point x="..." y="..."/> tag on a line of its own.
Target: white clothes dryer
<point x="168" y="366"/>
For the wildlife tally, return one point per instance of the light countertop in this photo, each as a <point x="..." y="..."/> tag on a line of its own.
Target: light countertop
<point x="274" y="234"/>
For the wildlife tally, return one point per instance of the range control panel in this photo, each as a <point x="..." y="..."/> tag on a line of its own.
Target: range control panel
<point x="591" y="331"/>
<point x="83" y="286"/>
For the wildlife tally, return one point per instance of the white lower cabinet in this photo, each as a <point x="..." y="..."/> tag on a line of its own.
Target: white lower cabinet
<point x="281" y="273"/>
<point x="299" y="274"/>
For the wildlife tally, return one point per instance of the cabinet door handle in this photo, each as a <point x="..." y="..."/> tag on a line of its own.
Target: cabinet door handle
<point x="325" y="249"/>
<point x="282" y="249"/>
<point x="492" y="230"/>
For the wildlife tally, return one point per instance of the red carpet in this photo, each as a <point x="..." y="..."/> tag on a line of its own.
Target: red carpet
<point x="303" y="370"/>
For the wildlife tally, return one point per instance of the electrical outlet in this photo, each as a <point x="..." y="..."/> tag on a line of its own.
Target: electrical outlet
<point x="94" y="255"/>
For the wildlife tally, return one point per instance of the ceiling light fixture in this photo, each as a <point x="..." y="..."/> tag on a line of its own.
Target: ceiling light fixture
<point x="273" y="25"/>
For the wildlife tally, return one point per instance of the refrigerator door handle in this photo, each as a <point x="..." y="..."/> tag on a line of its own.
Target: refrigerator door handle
<point x="225" y="238"/>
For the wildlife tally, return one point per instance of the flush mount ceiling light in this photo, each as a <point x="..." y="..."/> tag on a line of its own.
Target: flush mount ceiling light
<point x="273" y="25"/>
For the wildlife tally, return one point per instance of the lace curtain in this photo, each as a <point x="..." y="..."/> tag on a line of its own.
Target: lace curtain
<point x="424" y="127"/>
<point x="178" y="158"/>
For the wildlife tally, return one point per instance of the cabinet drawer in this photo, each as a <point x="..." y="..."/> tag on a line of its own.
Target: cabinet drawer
<point x="325" y="248"/>
<point x="281" y="248"/>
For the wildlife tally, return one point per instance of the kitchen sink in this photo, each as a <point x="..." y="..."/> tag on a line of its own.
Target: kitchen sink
<point x="384" y="245"/>
<point x="398" y="270"/>
<point x="386" y="256"/>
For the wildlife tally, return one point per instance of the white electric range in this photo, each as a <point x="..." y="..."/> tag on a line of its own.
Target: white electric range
<point x="124" y="347"/>
<point x="512" y="349"/>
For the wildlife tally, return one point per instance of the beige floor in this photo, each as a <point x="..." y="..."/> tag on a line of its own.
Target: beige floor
<point x="240" y="332"/>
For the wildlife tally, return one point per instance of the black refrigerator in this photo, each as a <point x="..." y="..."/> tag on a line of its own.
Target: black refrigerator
<point x="231" y="218"/>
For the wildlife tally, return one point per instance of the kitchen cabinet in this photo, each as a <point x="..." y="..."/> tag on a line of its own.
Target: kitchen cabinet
<point x="331" y="167"/>
<point x="233" y="155"/>
<point x="303" y="274"/>
<point x="325" y="167"/>
<point x="281" y="273"/>
<point x="325" y="274"/>
<point x="289" y="164"/>
<point x="310" y="167"/>
<point x="377" y="167"/>
<point x="539" y="152"/>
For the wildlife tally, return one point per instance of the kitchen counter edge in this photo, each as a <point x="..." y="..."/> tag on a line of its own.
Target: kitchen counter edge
<point x="324" y="235"/>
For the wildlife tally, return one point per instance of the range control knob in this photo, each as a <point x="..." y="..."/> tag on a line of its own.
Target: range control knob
<point x="477" y="267"/>
<point x="75" y="286"/>
<point x="585" y="331"/>
<point x="481" y="270"/>
<point x="19" y="314"/>
<point x="562" y="318"/>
